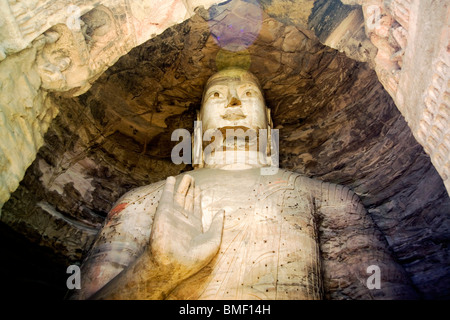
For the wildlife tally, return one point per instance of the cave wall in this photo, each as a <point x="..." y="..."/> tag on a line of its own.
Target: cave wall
<point x="67" y="46"/>
<point x="408" y="48"/>
<point x="61" y="46"/>
<point x="337" y="122"/>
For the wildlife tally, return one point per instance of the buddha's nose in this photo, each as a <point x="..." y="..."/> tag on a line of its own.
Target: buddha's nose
<point x="235" y="102"/>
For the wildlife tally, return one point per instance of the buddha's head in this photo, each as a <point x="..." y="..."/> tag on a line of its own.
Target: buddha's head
<point x="233" y="102"/>
<point x="233" y="98"/>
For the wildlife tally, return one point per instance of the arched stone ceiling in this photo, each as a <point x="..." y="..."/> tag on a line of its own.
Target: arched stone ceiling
<point x="336" y="123"/>
<point x="65" y="46"/>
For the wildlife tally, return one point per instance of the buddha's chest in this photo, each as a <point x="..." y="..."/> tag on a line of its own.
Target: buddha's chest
<point x="269" y="247"/>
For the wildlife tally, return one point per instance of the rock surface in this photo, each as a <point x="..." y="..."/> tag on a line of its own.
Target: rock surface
<point x="66" y="46"/>
<point x="336" y="123"/>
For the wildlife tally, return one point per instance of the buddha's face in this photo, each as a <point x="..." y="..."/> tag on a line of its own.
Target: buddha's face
<point x="232" y="98"/>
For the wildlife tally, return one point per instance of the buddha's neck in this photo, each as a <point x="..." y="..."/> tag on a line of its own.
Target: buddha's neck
<point x="236" y="160"/>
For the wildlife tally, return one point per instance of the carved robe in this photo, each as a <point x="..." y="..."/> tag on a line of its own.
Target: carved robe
<point x="271" y="246"/>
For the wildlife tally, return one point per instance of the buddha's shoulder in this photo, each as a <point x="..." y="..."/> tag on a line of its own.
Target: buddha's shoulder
<point x="317" y="187"/>
<point x="290" y="177"/>
<point x="134" y="194"/>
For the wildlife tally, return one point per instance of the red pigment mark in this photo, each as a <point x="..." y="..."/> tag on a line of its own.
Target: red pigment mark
<point x="279" y="181"/>
<point x="117" y="209"/>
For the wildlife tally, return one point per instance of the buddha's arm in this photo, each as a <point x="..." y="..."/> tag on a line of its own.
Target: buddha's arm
<point x="179" y="246"/>
<point x="350" y="242"/>
<point x="122" y="239"/>
<point x="144" y="279"/>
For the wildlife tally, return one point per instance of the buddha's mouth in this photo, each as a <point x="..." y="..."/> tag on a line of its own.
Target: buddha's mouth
<point x="233" y="115"/>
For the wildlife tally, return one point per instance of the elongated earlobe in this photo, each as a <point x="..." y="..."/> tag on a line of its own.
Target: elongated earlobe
<point x="197" y="144"/>
<point x="269" y="137"/>
<point x="269" y="118"/>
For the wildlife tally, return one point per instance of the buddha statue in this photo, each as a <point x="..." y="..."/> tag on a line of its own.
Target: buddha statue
<point x="237" y="227"/>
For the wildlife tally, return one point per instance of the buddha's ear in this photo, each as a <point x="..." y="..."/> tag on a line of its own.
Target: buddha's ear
<point x="269" y="118"/>
<point x="269" y="151"/>
<point x="269" y="136"/>
<point x="197" y="143"/>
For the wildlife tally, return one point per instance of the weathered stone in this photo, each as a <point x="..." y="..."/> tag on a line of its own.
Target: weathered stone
<point x="336" y="123"/>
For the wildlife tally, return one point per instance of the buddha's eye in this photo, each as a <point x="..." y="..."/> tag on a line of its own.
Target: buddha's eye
<point x="248" y="93"/>
<point x="215" y="95"/>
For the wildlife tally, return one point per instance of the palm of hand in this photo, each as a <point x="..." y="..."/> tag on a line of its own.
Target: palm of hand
<point x="179" y="239"/>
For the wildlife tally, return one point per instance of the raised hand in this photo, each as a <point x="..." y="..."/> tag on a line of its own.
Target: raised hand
<point x="179" y="240"/>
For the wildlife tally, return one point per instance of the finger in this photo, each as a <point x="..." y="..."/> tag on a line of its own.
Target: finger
<point x="216" y="227"/>
<point x="197" y="203"/>
<point x="164" y="207"/>
<point x="167" y="195"/>
<point x="208" y="243"/>
<point x="182" y="190"/>
<point x="189" y="203"/>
